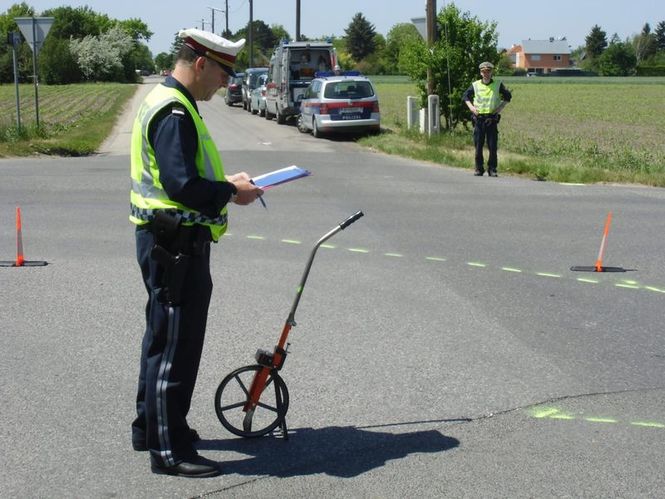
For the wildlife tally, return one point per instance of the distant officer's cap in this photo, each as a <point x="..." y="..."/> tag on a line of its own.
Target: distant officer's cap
<point x="486" y="64"/>
<point x="215" y="47"/>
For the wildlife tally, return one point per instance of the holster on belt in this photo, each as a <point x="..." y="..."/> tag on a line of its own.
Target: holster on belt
<point x="167" y="251"/>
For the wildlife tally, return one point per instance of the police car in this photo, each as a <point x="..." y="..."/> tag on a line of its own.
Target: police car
<point x="339" y="103"/>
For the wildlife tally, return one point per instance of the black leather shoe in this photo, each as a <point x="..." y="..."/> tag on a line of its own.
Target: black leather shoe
<point x="478" y="173"/>
<point x="196" y="467"/>
<point x="492" y="174"/>
<point x="140" y="446"/>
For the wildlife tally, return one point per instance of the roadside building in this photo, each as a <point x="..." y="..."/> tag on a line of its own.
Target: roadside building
<point x="541" y="56"/>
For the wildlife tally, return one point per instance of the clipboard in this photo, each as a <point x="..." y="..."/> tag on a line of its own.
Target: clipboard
<point x="281" y="176"/>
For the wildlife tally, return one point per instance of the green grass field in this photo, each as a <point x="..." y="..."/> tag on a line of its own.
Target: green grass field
<point x="74" y="119"/>
<point x="564" y="129"/>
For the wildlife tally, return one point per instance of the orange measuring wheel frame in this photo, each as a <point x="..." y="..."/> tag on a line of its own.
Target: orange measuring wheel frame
<point x="253" y="400"/>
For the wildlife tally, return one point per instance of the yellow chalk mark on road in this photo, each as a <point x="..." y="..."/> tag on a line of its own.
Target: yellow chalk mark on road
<point x="544" y="412"/>
<point x="562" y="416"/>
<point x="648" y="424"/>
<point x="601" y="420"/>
<point x="624" y="283"/>
<point x="627" y="286"/>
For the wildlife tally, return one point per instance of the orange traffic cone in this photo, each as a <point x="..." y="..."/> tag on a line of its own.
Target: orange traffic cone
<point x="20" y="260"/>
<point x="19" y="240"/>
<point x="598" y="267"/>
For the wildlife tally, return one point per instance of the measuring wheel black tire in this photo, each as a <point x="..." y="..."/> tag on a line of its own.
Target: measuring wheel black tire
<point x="231" y="397"/>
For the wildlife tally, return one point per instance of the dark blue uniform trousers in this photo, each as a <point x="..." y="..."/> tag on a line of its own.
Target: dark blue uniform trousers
<point x="170" y="356"/>
<point x="486" y="129"/>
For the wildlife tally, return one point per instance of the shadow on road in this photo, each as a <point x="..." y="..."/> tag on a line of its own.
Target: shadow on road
<point x="337" y="451"/>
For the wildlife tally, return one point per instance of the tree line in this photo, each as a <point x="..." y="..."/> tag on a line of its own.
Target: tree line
<point x="84" y="45"/>
<point x="643" y="54"/>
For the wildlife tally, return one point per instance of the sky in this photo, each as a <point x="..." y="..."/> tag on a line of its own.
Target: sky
<point x="516" y="19"/>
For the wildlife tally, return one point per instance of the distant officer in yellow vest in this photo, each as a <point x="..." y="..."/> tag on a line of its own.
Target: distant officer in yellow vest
<point x="486" y="98"/>
<point x="178" y="203"/>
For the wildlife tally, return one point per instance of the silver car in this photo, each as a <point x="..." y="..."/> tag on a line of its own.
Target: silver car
<point x="257" y="97"/>
<point x="249" y="82"/>
<point x="339" y="103"/>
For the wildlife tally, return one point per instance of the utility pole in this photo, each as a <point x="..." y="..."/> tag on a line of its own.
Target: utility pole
<point x="213" y="9"/>
<point x="250" y="28"/>
<point x="226" y="14"/>
<point x="297" y="20"/>
<point x="431" y="39"/>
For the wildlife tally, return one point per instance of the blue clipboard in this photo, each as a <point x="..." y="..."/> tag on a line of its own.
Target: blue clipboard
<point x="281" y="176"/>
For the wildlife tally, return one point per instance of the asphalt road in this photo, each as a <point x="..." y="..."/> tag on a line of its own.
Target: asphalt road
<point x="443" y="347"/>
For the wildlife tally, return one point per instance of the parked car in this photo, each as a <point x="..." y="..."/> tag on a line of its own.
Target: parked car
<point x="234" y="89"/>
<point x="257" y="97"/>
<point x="249" y="83"/>
<point x="345" y="103"/>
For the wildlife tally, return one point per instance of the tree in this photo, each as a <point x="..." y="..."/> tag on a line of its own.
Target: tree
<point x="7" y="25"/>
<point x="57" y="64"/>
<point x="164" y="61"/>
<point x="360" y="37"/>
<point x="398" y="37"/>
<point x="660" y="35"/>
<point x="617" y="60"/>
<point x="375" y="63"/>
<point x="505" y="65"/>
<point x="279" y="33"/>
<point x="464" y="42"/>
<point x="136" y="29"/>
<point x="77" y="22"/>
<point x="263" y="41"/>
<point x="100" y="57"/>
<point x="645" y="44"/>
<point x="596" y="42"/>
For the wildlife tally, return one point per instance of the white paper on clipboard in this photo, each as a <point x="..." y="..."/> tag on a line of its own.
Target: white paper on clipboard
<point x="281" y="176"/>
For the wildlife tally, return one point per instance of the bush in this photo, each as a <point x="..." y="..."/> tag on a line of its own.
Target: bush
<point x="57" y="65"/>
<point x="650" y="70"/>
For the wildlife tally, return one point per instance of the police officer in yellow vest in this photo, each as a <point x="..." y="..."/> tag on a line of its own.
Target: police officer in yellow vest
<point x="486" y="98"/>
<point x="178" y="202"/>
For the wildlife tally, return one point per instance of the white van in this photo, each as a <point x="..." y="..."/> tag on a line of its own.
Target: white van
<point x="292" y="66"/>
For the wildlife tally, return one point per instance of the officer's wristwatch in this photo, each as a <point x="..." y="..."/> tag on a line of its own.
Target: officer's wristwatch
<point x="234" y="194"/>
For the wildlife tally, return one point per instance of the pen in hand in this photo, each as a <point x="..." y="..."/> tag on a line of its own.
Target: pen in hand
<point x="260" y="197"/>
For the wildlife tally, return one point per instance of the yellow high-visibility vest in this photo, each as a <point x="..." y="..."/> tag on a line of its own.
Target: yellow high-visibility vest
<point x="147" y="194"/>
<point x="486" y="98"/>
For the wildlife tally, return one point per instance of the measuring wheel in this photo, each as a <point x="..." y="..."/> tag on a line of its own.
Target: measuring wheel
<point x="232" y="395"/>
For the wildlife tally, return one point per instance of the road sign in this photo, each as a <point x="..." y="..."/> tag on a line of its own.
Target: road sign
<point x="14" y="39"/>
<point x="34" y="30"/>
